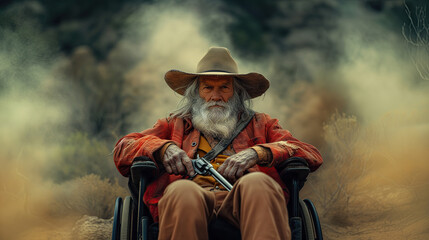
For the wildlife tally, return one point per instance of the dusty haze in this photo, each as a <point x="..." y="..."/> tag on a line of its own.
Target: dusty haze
<point x="367" y="113"/>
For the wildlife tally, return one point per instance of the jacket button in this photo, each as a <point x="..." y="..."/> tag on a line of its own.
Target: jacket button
<point x="193" y="144"/>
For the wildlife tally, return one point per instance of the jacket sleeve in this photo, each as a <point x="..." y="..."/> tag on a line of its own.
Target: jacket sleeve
<point x="145" y="143"/>
<point x="283" y="145"/>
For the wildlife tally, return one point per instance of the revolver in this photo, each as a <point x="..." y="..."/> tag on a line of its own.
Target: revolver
<point x="203" y="167"/>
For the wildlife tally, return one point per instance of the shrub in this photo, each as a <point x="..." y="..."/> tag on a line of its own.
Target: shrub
<point x="88" y="195"/>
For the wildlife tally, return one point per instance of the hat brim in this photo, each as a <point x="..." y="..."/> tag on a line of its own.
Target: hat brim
<point x="255" y="84"/>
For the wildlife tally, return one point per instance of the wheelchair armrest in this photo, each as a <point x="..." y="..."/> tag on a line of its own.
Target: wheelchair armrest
<point x="294" y="168"/>
<point x="143" y="167"/>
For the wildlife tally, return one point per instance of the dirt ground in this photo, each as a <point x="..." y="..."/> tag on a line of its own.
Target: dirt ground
<point x="88" y="227"/>
<point x="85" y="228"/>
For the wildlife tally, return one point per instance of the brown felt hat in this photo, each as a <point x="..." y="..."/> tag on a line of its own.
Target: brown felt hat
<point x="217" y="61"/>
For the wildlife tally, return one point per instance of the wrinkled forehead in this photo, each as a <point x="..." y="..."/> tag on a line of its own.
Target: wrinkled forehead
<point x="216" y="79"/>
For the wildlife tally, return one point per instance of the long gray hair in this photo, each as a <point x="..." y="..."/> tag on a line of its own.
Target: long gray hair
<point x="191" y="94"/>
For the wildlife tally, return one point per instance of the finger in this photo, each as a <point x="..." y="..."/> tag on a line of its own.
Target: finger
<point x="167" y="165"/>
<point x="174" y="168"/>
<point x="224" y="165"/>
<point x="179" y="166"/>
<point x="240" y="172"/>
<point x="188" y="165"/>
<point x="232" y="172"/>
<point x="167" y="168"/>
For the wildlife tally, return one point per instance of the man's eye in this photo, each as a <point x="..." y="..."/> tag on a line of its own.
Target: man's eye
<point x="207" y="89"/>
<point x="226" y="89"/>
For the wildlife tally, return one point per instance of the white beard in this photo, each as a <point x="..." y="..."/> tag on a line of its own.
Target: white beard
<point x="217" y="122"/>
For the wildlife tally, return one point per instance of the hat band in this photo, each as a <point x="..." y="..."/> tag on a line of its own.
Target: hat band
<point x="216" y="71"/>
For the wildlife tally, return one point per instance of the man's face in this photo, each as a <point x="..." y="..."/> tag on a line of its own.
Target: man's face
<point x="215" y="111"/>
<point x="216" y="88"/>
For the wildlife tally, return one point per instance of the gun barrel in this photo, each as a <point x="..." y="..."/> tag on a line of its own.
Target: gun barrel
<point x="220" y="179"/>
<point x="202" y="166"/>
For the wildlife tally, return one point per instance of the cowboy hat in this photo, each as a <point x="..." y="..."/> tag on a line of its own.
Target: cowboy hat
<point x="217" y="61"/>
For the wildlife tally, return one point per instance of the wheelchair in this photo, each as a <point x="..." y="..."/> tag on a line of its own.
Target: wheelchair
<point x="132" y="220"/>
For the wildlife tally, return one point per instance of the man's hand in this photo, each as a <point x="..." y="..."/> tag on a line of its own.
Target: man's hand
<point x="177" y="162"/>
<point x="234" y="166"/>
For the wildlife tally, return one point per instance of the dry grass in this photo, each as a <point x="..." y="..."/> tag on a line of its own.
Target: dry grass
<point x="33" y="207"/>
<point x="88" y="195"/>
<point x="373" y="184"/>
<point x="345" y="164"/>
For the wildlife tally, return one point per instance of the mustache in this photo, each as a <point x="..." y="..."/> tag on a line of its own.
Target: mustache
<point x="214" y="103"/>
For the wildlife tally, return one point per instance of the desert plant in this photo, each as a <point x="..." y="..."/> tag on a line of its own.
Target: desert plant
<point x="416" y="33"/>
<point x="88" y="195"/>
<point x="345" y="163"/>
<point x="80" y="155"/>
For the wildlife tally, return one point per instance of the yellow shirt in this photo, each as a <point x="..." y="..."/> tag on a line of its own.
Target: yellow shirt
<point x="209" y="181"/>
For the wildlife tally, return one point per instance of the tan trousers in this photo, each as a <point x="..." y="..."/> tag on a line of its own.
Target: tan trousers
<point x="256" y="205"/>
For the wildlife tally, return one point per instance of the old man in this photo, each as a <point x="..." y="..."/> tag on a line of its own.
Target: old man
<point x="215" y="108"/>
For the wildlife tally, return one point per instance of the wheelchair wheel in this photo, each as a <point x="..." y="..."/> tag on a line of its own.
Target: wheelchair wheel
<point x="307" y="222"/>
<point x="126" y="219"/>
<point x="315" y="216"/>
<point x="117" y="219"/>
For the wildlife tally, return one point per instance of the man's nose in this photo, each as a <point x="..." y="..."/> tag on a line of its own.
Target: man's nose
<point x="216" y="96"/>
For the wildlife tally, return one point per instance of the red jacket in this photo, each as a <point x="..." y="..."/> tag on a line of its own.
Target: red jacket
<point x="262" y="130"/>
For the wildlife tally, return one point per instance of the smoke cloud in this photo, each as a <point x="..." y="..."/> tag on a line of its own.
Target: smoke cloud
<point x="36" y="125"/>
<point x="366" y="112"/>
<point x="375" y="155"/>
